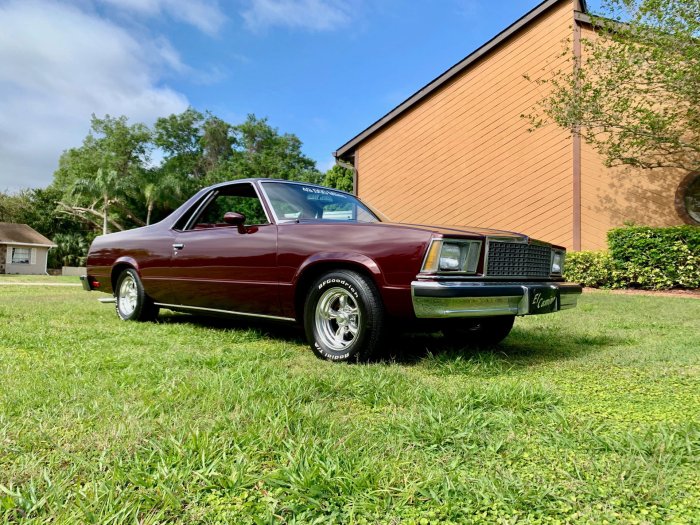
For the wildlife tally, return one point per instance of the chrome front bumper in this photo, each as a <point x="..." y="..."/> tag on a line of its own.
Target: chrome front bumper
<point x="439" y="299"/>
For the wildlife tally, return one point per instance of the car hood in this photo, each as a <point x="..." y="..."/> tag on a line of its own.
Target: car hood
<point x="459" y="230"/>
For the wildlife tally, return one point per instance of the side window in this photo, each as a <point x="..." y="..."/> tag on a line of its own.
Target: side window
<point x="240" y="198"/>
<point x="182" y="222"/>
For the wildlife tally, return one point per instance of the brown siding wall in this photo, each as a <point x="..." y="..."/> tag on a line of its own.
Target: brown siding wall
<point x="612" y="196"/>
<point x="464" y="155"/>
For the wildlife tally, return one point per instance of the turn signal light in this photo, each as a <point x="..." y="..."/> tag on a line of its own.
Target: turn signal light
<point x="431" y="260"/>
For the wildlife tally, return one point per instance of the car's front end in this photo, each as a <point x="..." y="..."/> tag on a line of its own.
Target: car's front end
<point x="491" y="276"/>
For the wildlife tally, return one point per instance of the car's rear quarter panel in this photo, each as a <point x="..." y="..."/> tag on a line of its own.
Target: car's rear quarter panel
<point x="147" y="249"/>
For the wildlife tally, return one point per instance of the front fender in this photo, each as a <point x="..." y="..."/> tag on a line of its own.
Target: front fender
<point x="341" y="258"/>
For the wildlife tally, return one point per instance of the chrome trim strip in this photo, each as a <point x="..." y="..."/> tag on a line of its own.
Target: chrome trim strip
<point x="107" y="300"/>
<point x="441" y="308"/>
<point x="258" y="192"/>
<point x="426" y="307"/>
<point x="440" y="300"/>
<point x="268" y="203"/>
<point x="518" y="240"/>
<point x="198" y="211"/>
<point x="481" y="278"/>
<point x="227" y="312"/>
<point x="487" y="249"/>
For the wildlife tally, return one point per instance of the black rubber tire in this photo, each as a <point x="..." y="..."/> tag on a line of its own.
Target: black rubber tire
<point x="370" y="328"/>
<point x="485" y="331"/>
<point x="144" y="309"/>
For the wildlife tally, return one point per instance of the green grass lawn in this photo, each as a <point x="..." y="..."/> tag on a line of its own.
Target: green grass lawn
<point x="586" y="416"/>
<point x="35" y="279"/>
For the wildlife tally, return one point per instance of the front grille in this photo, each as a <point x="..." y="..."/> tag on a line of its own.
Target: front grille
<point x="513" y="259"/>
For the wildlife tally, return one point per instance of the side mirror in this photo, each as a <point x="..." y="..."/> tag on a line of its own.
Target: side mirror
<point x="235" y="219"/>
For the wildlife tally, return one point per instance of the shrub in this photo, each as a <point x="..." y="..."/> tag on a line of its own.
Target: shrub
<point x="656" y="258"/>
<point x="641" y="257"/>
<point x="592" y="269"/>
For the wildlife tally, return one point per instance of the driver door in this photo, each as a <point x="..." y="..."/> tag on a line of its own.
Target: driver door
<point x="217" y="266"/>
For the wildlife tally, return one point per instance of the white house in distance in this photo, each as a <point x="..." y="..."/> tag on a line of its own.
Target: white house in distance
<point x="23" y="250"/>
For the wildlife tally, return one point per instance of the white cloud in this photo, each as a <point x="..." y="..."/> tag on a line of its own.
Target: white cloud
<point x="318" y="15"/>
<point x="60" y="65"/>
<point x="205" y="15"/>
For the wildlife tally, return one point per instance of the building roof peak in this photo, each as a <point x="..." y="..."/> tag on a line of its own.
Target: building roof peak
<point x="347" y="150"/>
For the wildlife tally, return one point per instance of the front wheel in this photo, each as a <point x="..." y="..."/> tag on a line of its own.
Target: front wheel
<point x="344" y="317"/>
<point x="485" y="331"/>
<point x="132" y="302"/>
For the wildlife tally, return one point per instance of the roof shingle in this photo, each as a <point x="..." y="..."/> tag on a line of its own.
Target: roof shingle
<point x="21" y="233"/>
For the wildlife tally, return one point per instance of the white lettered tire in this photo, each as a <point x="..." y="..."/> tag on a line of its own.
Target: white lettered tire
<point x="344" y="316"/>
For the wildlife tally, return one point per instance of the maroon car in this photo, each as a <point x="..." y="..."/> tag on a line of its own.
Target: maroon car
<point x="317" y="256"/>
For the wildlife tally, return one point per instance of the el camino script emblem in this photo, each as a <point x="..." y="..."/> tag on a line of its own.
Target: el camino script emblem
<point x="541" y="302"/>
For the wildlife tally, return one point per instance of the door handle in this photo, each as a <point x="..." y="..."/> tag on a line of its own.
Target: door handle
<point x="178" y="246"/>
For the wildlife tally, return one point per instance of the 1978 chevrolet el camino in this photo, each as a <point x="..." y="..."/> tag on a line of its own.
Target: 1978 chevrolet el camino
<point x="320" y="257"/>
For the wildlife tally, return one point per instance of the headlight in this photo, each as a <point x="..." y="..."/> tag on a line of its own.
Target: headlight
<point x="557" y="262"/>
<point x="452" y="256"/>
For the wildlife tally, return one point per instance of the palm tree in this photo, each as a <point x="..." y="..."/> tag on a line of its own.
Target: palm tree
<point x="71" y="249"/>
<point x="106" y="187"/>
<point x="158" y="187"/>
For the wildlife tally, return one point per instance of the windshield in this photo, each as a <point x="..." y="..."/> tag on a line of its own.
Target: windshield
<point x="292" y="202"/>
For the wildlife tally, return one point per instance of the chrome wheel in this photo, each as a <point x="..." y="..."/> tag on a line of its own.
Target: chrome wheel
<point x="337" y="318"/>
<point x="128" y="296"/>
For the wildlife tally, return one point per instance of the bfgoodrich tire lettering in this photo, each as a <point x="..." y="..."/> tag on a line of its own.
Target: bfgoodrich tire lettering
<point x="132" y="302"/>
<point x="344" y="316"/>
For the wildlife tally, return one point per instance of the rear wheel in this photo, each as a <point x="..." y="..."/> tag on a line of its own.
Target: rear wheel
<point x="485" y="331"/>
<point x="132" y="302"/>
<point x="344" y="317"/>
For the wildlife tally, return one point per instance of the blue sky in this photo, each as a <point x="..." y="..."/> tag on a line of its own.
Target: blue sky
<point x="322" y="69"/>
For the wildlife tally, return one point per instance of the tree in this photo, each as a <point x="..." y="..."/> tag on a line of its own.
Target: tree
<point x="259" y="150"/>
<point x="10" y="207"/>
<point x="179" y="138"/>
<point x="105" y="189"/>
<point x="339" y="178"/>
<point x="635" y="94"/>
<point x="109" y="181"/>
<point x="123" y="148"/>
<point x="102" y="173"/>
<point x="158" y="186"/>
<point x="71" y="250"/>
<point x="217" y="143"/>
<point x="37" y="208"/>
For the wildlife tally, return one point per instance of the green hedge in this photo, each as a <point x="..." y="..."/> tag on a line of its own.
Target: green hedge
<point x="641" y="257"/>
<point x="589" y="268"/>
